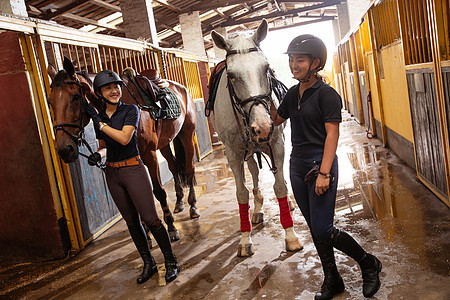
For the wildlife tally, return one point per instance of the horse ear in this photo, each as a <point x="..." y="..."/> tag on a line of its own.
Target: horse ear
<point x="68" y="66"/>
<point x="219" y="40"/>
<point x="51" y="71"/>
<point x="261" y="32"/>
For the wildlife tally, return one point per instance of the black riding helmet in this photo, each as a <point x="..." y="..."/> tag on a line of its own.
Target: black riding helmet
<point x="310" y="45"/>
<point x="103" y="78"/>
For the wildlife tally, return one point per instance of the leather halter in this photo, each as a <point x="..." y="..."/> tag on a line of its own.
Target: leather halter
<point x="238" y="104"/>
<point x="78" y="138"/>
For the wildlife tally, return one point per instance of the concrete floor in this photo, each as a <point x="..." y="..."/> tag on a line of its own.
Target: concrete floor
<point x="380" y="203"/>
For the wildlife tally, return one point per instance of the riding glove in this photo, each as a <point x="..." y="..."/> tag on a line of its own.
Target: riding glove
<point x="92" y="112"/>
<point x="94" y="158"/>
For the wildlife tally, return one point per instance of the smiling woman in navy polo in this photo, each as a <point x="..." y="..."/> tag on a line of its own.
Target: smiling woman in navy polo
<point x="128" y="180"/>
<point x="314" y="109"/>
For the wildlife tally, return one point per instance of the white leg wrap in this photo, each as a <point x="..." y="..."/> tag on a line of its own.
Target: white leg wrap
<point x="258" y="215"/>
<point x="245" y="247"/>
<point x="259" y="200"/>
<point x="292" y="241"/>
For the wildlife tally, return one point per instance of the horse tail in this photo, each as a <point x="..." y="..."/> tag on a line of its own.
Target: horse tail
<point x="180" y="161"/>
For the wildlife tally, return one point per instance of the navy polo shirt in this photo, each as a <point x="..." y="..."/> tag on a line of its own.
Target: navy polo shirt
<point x="319" y="104"/>
<point x="125" y="114"/>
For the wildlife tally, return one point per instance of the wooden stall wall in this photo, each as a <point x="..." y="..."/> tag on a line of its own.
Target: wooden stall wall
<point x="31" y="228"/>
<point x="428" y="138"/>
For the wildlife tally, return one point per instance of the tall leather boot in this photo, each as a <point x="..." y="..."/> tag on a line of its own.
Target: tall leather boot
<point x="369" y="264"/>
<point x="162" y="238"/>
<point x="140" y="241"/>
<point x="332" y="283"/>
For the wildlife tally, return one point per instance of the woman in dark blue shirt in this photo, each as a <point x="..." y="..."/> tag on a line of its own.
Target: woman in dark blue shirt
<point x="315" y="112"/>
<point x="128" y="180"/>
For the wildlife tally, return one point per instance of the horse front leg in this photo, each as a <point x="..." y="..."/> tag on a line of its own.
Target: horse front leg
<point x="245" y="247"/>
<point x="258" y="214"/>
<point x="281" y="191"/>
<point x="151" y="161"/>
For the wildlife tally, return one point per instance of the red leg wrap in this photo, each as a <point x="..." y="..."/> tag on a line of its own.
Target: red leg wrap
<point x="285" y="213"/>
<point x="244" y="212"/>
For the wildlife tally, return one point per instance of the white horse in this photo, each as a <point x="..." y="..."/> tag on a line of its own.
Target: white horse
<point x="241" y="117"/>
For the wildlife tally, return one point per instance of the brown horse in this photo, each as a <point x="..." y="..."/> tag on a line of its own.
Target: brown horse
<point x="68" y="91"/>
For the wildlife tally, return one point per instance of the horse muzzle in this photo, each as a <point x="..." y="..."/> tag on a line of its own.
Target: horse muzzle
<point x="67" y="149"/>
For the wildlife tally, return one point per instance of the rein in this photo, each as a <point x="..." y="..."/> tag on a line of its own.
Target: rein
<point x="79" y="138"/>
<point x="237" y="104"/>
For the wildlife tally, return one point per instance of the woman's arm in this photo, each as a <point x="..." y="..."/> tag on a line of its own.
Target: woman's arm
<point x="121" y="136"/>
<point x="276" y="119"/>
<point x="101" y="148"/>
<point x="329" y="152"/>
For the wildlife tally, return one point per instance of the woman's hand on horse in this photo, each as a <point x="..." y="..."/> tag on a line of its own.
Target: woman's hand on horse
<point x="92" y="112"/>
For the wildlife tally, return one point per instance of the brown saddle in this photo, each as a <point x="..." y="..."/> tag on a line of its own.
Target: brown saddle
<point x="148" y="83"/>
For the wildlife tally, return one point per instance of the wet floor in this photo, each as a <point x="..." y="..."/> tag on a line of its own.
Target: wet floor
<point x="380" y="203"/>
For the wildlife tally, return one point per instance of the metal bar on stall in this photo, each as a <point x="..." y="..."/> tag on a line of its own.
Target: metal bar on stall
<point x="83" y="50"/>
<point x="115" y="61"/>
<point x="78" y="56"/>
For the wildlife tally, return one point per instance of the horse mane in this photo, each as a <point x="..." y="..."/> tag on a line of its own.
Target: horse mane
<point x="62" y="76"/>
<point x="59" y="79"/>
<point x="85" y="75"/>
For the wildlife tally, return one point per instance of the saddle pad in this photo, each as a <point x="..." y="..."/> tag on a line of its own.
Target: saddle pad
<point x="213" y="84"/>
<point x="173" y="109"/>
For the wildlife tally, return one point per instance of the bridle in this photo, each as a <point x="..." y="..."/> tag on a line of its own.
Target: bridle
<point x="78" y="138"/>
<point x="238" y="104"/>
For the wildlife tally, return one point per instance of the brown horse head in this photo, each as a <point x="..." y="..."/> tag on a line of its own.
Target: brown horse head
<point x="68" y="93"/>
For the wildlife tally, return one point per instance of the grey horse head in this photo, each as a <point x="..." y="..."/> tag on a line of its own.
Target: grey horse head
<point x="247" y="71"/>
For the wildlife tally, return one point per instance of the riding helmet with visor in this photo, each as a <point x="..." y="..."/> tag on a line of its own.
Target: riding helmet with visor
<point x="104" y="78"/>
<point x="310" y="45"/>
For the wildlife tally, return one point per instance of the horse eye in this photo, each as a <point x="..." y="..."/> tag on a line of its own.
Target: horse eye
<point x="76" y="98"/>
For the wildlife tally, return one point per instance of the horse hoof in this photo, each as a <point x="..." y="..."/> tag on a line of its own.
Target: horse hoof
<point x="194" y="212"/>
<point x="179" y="207"/>
<point x="294" y="245"/>
<point x="245" y="250"/>
<point x="257" y="218"/>
<point x="174" y="235"/>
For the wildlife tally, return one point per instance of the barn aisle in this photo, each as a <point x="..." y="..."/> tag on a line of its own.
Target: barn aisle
<point x="380" y="203"/>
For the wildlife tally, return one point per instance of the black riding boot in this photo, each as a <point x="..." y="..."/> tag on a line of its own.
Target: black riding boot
<point x="140" y="240"/>
<point x="162" y="238"/>
<point x="369" y="264"/>
<point x="332" y="283"/>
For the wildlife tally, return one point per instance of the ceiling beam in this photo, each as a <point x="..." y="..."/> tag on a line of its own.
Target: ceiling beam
<point x="214" y="4"/>
<point x="297" y="1"/>
<point x="90" y="22"/>
<point x="317" y="20"/>
<point x="221" y="14"/>
<point x="168" y="5"/>
<point x="73" y="5"/>
<point x="279" y="14"/>
<point x="106" y="5"/>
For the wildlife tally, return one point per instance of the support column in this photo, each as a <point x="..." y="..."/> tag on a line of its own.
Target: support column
<point x="343" y="18"/>
<point x="14" y="7"/>
<point x="220" y="53"/>
<point x="138" y="20"/>
<point x="191" y="32"/>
